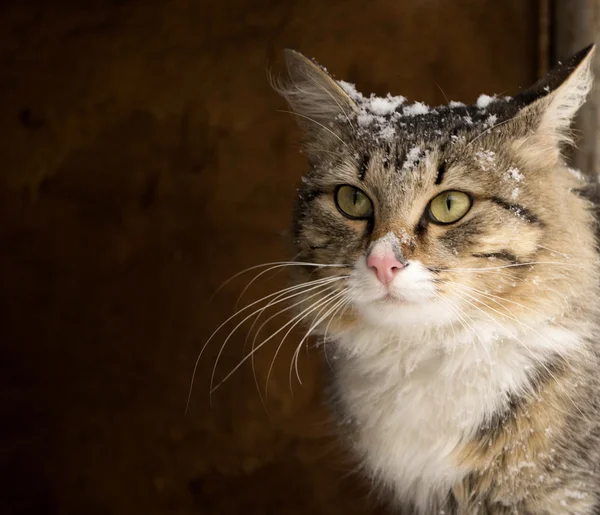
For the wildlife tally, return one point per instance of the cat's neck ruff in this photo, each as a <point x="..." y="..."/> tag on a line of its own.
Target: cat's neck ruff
<point x="411" y="403"/>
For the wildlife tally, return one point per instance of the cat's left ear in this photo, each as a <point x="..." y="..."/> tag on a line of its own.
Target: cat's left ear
<point x="314" y="96"/>
<point x="552" y="103"/>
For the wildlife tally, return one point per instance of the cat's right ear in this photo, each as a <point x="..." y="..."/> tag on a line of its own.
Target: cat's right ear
<point x="313" y="95"/>
<point x="550" y="106"/>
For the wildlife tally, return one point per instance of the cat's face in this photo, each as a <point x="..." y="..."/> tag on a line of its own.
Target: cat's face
<point x="440" y="216"/>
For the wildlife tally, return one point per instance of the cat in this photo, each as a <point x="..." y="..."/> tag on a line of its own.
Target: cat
<point x="459" y="304"/>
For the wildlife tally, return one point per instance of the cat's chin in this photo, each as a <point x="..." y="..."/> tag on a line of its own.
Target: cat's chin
<point x="395" y="312"/>
<point x="390" y="298"/>
<point x="395" y="303"/>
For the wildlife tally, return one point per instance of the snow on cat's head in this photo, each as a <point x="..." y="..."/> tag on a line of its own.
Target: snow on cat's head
<point x="440" y="216"/>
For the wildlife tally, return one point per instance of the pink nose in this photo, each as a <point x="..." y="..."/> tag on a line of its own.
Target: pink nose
<point x="386" y="266"/>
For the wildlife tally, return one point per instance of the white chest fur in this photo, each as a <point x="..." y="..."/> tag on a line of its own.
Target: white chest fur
<point x="411" y="405"/>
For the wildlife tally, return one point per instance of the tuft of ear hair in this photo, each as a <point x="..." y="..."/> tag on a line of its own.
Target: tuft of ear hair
<point x="557" y="97"/>
<point x="312" y="94"/>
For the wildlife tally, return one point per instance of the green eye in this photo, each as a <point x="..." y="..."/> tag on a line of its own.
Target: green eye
<point x="353" y="203"/>
<point x="449" y="207"/>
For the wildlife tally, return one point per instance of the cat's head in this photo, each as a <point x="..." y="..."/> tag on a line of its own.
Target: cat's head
<point x="441" y="216"/>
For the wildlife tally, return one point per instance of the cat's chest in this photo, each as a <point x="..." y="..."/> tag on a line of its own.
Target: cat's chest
<point x="408" y="420"/>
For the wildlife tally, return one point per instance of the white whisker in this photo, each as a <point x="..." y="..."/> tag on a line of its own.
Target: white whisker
<point x="325" y="281"/>
<point x="512" y="265"/>
<point x="489" y="129"/>
<point x="255" y="349"/>
<point x="325" y="301"/>
<point x="259" y="310"/>
<point x="334" y="99"/>
<point x="514" y="318"/>
<point x="340" y="313"/>
<point x="312" y="327"/>
<point x="323" y="287"/>
<point x="296" y="320"/>
<point x="513" y="336"/>
<point x="275" y="263"/>
<point x="235" y="329"/>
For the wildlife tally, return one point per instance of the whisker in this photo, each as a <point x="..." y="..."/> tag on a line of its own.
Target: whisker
<point x="445" y="97"/>
<point x="324" y="281"/>
<point x="563" y="254"/>
<point x="322" y="288"/>
<point x="332" y="98"/>
<point x="441" y="298"/>
<point x="254" y="350"/>
<point x="513" y="265"/>
<point x="235" y="329"/>
<point x="504" y="299"/>
<point x="459" y="313"/>
<point x="325" y="287"/>
<point x="279" y="263"/>
<point x="481" y="134"/>
<point x="516" y="319"/>
<point x="260" y="274"/>
<point x="315" y="324"/>
<point x="344" y="307"/>
<point x="512" y="335"/>
<point x="328" y="298"/>
<point x="262" y="299"/>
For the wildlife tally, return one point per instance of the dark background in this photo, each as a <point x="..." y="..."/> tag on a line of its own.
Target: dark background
<point x="143" y="162"/>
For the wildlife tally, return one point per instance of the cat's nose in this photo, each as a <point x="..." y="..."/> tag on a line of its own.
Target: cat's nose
<point x="385" y="265"/>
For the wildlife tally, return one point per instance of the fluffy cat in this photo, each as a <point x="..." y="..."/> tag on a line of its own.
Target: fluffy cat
<point x="462" y="327"/>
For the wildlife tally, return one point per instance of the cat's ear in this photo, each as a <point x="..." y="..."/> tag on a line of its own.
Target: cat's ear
<point x="551" y="104"/>
<point x="313" y="95"/>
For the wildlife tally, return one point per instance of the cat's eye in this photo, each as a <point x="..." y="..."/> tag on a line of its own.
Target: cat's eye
<point x="353" y="203"/>
<point x="449" y="207"/>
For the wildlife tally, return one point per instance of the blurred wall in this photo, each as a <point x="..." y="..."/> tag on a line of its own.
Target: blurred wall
<point x="576" y="25"/>
<point x="143" y="162"/>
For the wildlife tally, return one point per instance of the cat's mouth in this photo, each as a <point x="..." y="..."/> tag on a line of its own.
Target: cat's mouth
<point x="391" y="298"/>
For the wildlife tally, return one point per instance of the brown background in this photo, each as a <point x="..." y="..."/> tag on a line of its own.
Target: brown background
<point x="143" y="161"/>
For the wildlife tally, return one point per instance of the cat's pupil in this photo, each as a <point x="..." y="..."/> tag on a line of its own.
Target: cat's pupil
<point x="448" y="202"/>
<point x="355" y="197"/>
